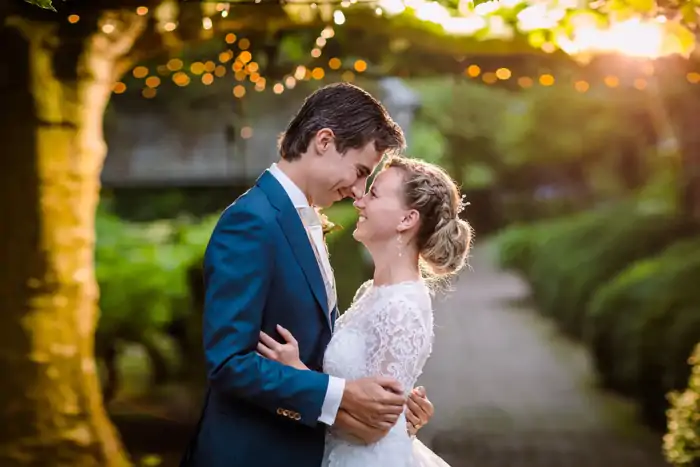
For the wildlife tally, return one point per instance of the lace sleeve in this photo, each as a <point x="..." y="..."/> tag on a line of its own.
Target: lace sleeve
<point x="399" y="341"/>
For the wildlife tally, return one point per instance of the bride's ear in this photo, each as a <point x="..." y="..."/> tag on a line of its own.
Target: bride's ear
<point x="409" y="221"/>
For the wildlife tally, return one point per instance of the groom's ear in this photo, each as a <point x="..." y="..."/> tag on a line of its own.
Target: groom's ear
<point x="323" y="140"/>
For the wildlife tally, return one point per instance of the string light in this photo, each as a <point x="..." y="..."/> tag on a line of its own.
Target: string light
<point x="175" y="64"/>
<point x="338" y="17"/>
<point x="503" y="73"/>
<point x="489" y="77"/>
<point x="611" y="81"/>
<point x="525" y="82"/>
<point x="245" y="69"/>
<point x="581" y="86"/>
<point x="152" y="81"/>
<point x="546" y="79"/>
<point x="693" y="77"/>
<point x="140" y="72"/>
<point x="334" y="63"/>
<point x="239" y="91"/>
<point x="473" y="71"/>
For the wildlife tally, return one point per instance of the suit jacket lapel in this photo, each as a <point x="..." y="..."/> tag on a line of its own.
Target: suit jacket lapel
<point x="297" y="237"/>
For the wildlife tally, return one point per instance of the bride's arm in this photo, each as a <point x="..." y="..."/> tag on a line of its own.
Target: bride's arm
<point x="286" y="353"/>
<point x="399" y="339"/>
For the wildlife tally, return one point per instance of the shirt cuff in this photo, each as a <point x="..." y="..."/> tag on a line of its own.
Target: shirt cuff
<point x="331" y="404"/>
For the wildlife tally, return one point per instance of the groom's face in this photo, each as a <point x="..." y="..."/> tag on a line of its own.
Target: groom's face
<point x="339" y="176"/>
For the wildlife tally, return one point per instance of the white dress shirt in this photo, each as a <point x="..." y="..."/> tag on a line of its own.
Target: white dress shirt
<point x="336" y="386"/>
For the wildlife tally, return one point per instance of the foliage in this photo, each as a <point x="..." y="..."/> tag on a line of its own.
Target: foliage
<point x="568" y="259"/>
<point x="612" y="245"/>
<point x="465" y="122"/>
<point x="642" y="325"/>
<point x="45" y="4"/>
<point x="542" y="26"/>
<point x="682" y="442"/>
<point x="624" y="278"/>
<point x="141" y="271"/>
<point x="581" y="126"/>
<point x="521" y="246"/>
<point x="593" y="144"/>
<point x="426" y="142"/>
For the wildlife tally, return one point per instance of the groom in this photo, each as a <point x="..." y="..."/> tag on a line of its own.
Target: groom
<point x="266" y="265"/>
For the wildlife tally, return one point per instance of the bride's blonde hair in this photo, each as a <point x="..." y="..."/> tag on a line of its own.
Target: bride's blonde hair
<point x="443" y="239"/>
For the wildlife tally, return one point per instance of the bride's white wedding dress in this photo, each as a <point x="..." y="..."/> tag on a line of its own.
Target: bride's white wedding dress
<point x="388" y="331"/>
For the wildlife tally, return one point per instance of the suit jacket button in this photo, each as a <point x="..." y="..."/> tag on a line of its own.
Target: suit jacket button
<point x="285" y="412"/>
<point x="280" y="411"/>
<point x="297" y="416"/>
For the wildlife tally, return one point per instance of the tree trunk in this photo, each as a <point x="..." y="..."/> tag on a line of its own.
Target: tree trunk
<point x="54" y="91"/>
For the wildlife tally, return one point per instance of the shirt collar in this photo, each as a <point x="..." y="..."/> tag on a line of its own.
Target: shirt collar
<point x="293" y="191"/>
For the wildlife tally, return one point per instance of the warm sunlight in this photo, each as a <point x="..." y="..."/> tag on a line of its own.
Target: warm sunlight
<point x="633" y="37"/>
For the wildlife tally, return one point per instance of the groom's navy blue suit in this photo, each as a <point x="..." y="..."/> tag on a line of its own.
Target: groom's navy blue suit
<point x="260" y="271"/>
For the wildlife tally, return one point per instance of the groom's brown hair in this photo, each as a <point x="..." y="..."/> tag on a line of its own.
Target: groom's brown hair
<point x="351" y="113"/>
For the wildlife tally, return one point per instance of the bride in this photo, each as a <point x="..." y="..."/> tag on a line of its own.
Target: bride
<point x="409" y="222"/>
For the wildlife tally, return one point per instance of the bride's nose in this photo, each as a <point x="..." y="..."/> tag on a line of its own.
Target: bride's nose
<point x="358" y="203"/>
<point x="357" y="192"/>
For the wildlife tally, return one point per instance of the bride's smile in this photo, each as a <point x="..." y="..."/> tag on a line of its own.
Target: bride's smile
<point x="382" y="211"/>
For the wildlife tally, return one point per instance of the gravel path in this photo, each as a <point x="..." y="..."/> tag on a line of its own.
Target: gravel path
<point x="510" y="391"/>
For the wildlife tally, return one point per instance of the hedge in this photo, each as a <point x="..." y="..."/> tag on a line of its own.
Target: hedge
<point x="625" y="281"/>
<point x="566" y="260"/>
<point x="642" y="325"/>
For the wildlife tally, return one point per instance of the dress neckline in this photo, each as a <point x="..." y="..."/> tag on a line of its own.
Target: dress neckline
<point x="397" y="284"/>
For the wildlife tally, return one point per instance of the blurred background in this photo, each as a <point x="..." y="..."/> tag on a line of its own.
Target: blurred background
<point x="571" y="127"/>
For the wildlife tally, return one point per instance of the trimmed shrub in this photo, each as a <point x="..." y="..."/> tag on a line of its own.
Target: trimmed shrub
<point x="589" y="252"/>
<point x="642" y="325"/>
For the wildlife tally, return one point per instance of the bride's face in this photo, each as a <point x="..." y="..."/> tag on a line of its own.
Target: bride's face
<point x="381" y="209"/>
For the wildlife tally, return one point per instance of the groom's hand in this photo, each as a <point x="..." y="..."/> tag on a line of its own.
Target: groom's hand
<point x="376" y="402"/>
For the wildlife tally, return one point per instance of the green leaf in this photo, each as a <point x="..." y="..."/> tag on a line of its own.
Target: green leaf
<point x="689" y="14"/>
<point x="537" y="39"/>
<point x="643" y="6"/>
<point x="679" y="39"/>
<point x="45" y="4"/>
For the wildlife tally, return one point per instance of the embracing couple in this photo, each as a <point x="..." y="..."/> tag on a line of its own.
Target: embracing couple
<point x="291" y="384"/>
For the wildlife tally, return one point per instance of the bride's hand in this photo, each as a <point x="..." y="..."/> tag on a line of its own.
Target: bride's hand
<point x="287" y="353"/>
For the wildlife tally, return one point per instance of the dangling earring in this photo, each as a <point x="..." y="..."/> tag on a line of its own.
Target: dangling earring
<point x="399" y="243"/>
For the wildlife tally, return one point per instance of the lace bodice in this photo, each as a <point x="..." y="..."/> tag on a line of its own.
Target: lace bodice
<point x="387" y="331"/>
